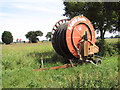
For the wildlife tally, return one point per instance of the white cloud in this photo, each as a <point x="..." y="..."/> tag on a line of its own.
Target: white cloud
<point x="32" y="1"/>
<point x="36" y="8"/>
<point x="21" y="6"/>
<point x="6" y="14"/>
<point x="47" y="6"/>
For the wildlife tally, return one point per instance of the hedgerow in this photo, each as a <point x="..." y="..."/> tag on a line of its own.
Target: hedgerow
<point x="108" y="48"/>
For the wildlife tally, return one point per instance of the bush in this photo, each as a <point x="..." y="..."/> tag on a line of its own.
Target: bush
<point x="7" y="37"/>
<point x="108" y="49"/>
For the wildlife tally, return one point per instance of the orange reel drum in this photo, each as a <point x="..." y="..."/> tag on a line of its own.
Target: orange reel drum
<point x="76" y="30"/>
<point x="66" y="35"/>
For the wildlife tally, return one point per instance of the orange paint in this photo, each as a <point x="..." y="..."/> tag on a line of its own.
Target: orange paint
<point x="75" y="30"/>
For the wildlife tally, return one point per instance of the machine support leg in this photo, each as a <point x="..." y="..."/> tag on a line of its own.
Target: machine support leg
<point x="71" y="63"/>
<point x="41" y="66"/>
<point x="56" y="67"/>
<point x="91" y="62"/>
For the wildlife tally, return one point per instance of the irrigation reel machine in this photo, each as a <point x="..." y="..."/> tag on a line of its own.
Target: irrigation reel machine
<point x="74" y="39"/>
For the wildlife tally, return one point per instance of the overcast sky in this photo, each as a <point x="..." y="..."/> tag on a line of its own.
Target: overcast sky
<point x="22" y="16"/>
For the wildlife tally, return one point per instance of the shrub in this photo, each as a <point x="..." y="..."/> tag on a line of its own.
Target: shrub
<point x="7" y="37"/>
<point x="108" y="48"/>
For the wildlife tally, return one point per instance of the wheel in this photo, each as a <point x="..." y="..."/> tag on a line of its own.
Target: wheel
<point x="97" y="61"/>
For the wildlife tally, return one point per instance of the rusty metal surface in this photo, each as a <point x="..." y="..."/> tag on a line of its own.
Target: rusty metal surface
<point x="57" y="67"/>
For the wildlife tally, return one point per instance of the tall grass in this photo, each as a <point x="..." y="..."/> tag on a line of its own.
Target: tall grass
<point x="18" y="61"/>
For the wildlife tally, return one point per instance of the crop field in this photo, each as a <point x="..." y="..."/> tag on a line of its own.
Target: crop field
<point x="19" y="60"/>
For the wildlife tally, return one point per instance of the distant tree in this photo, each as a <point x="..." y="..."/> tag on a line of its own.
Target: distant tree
<point x="48" y="36"/>
<point x="0" y="42"/>
<point x="111" y="37"/>
<point x="32" y="36"/>
<point x="117" y="36"/>
<point x="98" y="37"/>
<point x="7" y="37"/>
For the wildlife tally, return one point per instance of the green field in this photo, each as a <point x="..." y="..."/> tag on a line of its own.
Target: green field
<point x="18" y="61"/>
<point x="113" y="40"/>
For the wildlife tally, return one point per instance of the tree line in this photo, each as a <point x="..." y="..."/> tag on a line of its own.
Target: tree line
<point x="116" y="36"/>
<point x="7" y="36"/>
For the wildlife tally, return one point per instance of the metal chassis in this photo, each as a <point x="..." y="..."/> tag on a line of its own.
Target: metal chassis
<point x="84" y="58"/>
<point x="56" y="67"/>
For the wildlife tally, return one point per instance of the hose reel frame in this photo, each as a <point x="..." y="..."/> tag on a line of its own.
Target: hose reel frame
<point x="60" y="27"/>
